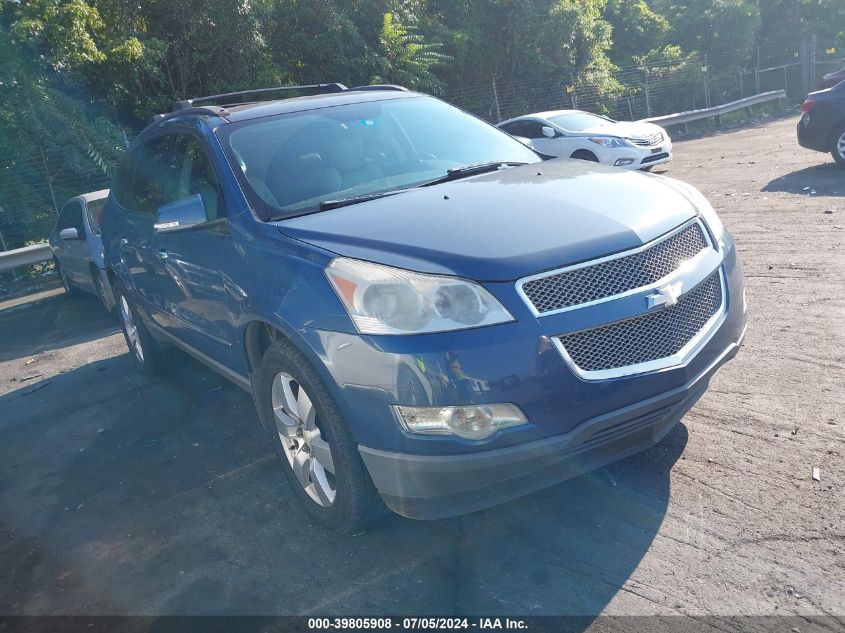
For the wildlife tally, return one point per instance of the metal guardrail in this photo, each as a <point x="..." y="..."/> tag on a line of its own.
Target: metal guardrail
<point x="717" y="111"/>
<point x="25" y="256"/>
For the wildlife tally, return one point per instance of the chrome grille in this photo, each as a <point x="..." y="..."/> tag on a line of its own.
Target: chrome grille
<point x="615" y="276"/>
<point x="648" y="141"/>
<point x="649" y="337"/>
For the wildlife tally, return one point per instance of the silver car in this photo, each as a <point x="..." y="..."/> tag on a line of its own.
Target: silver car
<point x="78" y="248"/>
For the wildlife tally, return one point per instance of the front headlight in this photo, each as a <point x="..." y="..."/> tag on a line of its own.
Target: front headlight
<point x="611" y="141"/>
<point x="386" y="300"/>
<point x="476" y="422"/>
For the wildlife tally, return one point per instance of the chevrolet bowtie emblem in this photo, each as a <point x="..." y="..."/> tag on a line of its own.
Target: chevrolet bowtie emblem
<point x="665" y="297"/>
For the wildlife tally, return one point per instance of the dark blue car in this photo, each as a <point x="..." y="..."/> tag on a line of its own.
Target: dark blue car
<point x="428" y="315"/>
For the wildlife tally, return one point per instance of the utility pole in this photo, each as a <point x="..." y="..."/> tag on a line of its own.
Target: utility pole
<point x="757" y="72"/>
<point x="496" y="101"/>
<point x="647" y="94"/>
<point x="706" y="84"/>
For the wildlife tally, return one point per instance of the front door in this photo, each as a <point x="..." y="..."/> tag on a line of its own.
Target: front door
<point x="194" y="290"/>
<point x="72" y="254"/>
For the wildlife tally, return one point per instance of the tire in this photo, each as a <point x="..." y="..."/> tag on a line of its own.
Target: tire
<point x="583" y="154"/>
<point x="70" y="289"/>
<point x="97" y="279"/>
<point x="837" y="146"/>
<point x="312" y="439"/>
<point x="149" y="356"/>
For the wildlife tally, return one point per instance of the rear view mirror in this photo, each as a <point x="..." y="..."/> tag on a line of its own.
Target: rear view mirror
<point x="181" y="215"/>
<point x="549" y="132"/>
<point x="69" y="234"/>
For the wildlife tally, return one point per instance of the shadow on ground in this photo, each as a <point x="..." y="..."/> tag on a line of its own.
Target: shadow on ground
<point x="57" y="321"/>
<point x="827" y="179"/>
<point x="126" y="494"/>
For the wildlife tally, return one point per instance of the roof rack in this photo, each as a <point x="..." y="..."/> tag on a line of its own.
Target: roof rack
<point x="319" y="88"/>
<point x="381" y="87"/>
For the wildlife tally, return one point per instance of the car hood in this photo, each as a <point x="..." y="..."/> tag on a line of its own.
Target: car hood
<point x="623" y="129"/>
<point x="503" y="225"/>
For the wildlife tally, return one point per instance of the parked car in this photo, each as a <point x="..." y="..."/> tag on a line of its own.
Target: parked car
<point x="78" y="248"/>
<point x="578" y="134"/>
<point x="426" y="314"/>
<point x="822" y="126"/>
<point x="832" y="79"/>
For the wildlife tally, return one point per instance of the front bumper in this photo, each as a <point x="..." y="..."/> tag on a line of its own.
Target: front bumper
<point x="641" y="157"/>
<point x="433" y="487"/>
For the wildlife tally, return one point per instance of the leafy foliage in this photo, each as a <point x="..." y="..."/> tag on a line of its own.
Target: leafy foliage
<point x="74" y="74"/>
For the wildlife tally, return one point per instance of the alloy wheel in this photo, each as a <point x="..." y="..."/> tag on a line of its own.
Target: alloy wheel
<point x="131" y="329"/>
<point x="840" y="145"/>
<point x="308" y="453"/>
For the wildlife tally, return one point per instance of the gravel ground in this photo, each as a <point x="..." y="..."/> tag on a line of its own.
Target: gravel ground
<point x="124" y="494"/>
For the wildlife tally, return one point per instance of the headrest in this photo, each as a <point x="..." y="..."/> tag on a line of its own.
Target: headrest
<point x="348" y="154"/>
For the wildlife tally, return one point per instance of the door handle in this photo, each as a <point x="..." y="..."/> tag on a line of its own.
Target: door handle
<point x="124" y="241"/>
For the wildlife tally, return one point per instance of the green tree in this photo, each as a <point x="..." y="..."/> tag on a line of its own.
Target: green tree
<point x="406" y="58"/>
<point x="637" y="29"/>
<point x="57" y="145"/>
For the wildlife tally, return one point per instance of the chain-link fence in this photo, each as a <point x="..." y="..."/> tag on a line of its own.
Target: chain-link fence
<point x="31" y="190"/>
<point x="658" y="87"/>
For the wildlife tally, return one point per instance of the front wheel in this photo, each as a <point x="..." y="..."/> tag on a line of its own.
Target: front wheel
<point x="319" y="456"/>
<point x="70" y="290"/>
<point x="838" y="149"/>
<point x="102" y="294"/>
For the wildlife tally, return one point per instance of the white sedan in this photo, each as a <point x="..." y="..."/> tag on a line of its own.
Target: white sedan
<point x="578" y="134"/>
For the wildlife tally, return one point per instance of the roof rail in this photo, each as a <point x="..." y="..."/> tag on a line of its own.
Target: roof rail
<point x="319" y="88"/>
<point x="380" y="87"/>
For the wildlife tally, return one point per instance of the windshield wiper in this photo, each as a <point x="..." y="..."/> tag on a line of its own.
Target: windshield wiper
<point x="451" y="174"/>
<point x="326" y="205"/>
<point x="473" y="169"/>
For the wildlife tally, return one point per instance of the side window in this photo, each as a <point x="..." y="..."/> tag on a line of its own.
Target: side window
<point x="512" y="128"/>
<point x="532" y="129"/>
<point x="71" y="216"/>
<point x="151" y="173"/>
<point x="193" y="174"/>
<point x="121" y="187"/>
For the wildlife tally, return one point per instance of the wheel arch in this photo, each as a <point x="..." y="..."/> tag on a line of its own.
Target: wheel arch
<point x="835" y="130"/>
<point x="584" y="154"/>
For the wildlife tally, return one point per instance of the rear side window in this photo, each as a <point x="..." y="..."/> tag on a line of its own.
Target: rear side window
<point x="151" y="171"/>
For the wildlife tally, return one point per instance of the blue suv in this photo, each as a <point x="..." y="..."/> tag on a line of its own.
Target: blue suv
<point x="429" y="316"/>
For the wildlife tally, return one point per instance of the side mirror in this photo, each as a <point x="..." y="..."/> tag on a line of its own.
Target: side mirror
<point x="69" y="234"/>
<point x="181" y="215"/>
<point x="549" y="132"/>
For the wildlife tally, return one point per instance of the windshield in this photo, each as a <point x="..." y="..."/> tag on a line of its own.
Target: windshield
<point x="288" y="164"/>
<point x="578" y="121"/>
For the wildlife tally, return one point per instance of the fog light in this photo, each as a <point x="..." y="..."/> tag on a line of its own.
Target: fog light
<point x="623" y="161"/>
<point x="473" y="423"/>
